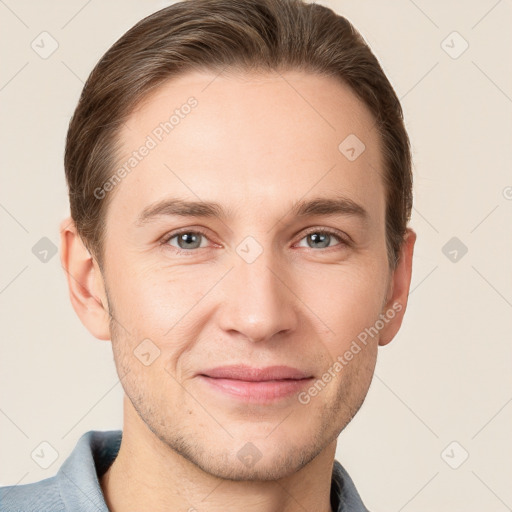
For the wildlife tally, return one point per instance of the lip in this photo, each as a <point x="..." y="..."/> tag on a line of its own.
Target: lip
<point x="256" y="384"/>
<point x="251" y="374"/>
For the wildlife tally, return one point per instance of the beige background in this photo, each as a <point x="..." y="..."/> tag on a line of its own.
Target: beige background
<point x="447" y="375"/>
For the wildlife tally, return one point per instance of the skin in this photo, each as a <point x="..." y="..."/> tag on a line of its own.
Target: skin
<point x="254" y="145"/>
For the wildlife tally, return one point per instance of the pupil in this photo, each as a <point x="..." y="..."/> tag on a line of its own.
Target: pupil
<point x="322" y="238"/>
<point x="188" y="238"/>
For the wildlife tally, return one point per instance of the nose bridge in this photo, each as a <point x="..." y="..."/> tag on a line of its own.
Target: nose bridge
<point x="258" y="305"/>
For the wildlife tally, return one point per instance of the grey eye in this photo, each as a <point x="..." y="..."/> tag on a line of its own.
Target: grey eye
<point x="188" y="240"/>
<point x="321" y="239"/>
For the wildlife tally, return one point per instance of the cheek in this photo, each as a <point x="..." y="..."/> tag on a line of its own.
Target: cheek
<point x="148" y="296"/>
<point x="164" y="304"/>
<point x="346" y="299"/>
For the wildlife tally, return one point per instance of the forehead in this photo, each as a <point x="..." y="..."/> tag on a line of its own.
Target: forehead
<point x="250" y="141"/>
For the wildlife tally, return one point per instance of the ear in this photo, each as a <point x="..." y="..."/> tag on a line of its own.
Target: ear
<point x="85" y="282"/>
<point x="398" y="291"/>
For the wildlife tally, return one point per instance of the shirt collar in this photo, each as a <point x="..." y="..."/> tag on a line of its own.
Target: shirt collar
<point x="78" y="477"/>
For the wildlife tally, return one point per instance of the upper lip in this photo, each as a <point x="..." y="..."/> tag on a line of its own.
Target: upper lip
<point x="251" y="374"/>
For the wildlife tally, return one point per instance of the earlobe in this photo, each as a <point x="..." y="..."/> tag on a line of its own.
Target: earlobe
<point x="399" y="290"/>
<point x="85" y="282"/>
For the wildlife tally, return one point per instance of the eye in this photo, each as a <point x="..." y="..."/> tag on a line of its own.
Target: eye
<point x="186" y="240"/>
<point x="322" y="238"/>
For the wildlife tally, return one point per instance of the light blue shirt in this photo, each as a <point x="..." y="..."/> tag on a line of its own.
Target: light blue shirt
<point x="76" y="487"/>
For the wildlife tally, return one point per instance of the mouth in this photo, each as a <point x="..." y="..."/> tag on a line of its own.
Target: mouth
<point x="256" y="384"/>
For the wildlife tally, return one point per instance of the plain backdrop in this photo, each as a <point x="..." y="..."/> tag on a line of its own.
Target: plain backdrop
<point x="434" y="431"/>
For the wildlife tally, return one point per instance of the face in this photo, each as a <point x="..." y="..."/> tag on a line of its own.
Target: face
<point x="288" y="268"/>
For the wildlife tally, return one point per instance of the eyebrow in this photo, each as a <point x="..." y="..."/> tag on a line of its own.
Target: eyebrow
<point x="207" y="209"/>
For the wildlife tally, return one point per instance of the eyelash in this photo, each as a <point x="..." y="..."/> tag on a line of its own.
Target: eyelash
<point x="343" y="240"/>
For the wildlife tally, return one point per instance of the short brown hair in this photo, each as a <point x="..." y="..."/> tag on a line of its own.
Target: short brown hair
<point x="237" y="34"/>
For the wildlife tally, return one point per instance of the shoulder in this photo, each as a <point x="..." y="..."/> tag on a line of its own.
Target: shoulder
<point x="75" y="486"/>
<point x="39" y="496"/>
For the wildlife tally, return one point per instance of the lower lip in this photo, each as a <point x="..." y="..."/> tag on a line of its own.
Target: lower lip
<point x="261" y="391"/>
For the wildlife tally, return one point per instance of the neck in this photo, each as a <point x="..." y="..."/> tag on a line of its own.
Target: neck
<point x="148" y="475"/>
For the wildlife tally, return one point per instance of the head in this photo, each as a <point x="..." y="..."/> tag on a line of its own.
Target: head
<point x="240" y="186"/>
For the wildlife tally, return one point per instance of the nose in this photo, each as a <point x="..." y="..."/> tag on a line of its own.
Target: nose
<point x="258" y="301"/>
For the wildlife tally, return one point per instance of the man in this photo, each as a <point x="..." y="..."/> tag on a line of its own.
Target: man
<point x="240" y="186"/>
